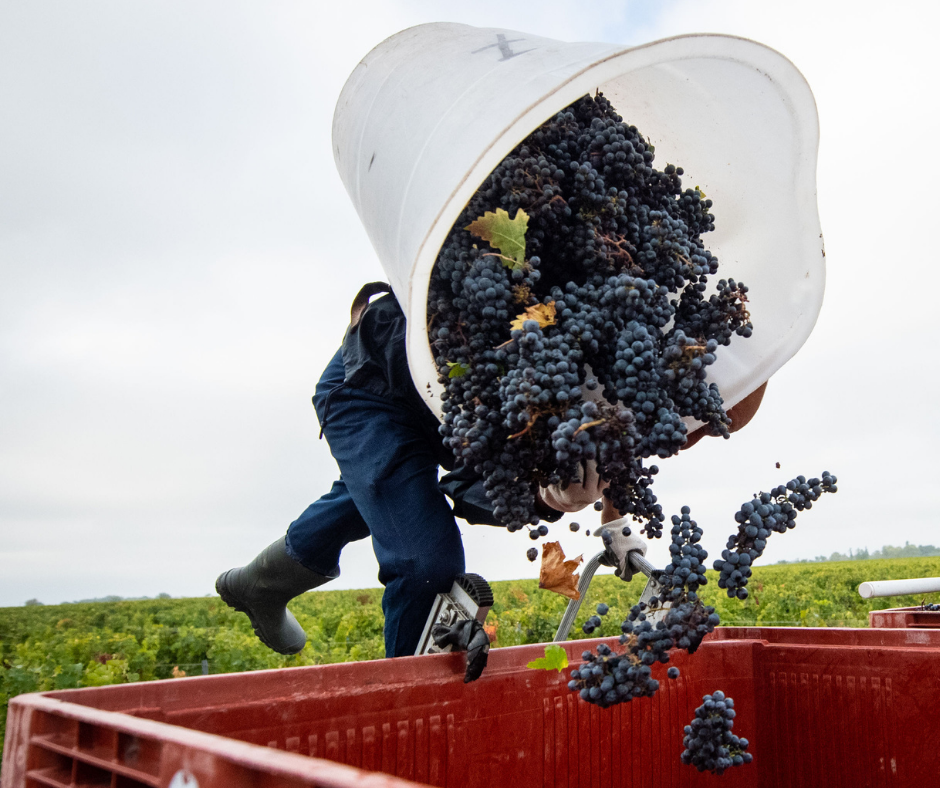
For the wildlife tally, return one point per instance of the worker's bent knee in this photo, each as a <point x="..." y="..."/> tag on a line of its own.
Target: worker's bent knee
<point x="430" y="574"/>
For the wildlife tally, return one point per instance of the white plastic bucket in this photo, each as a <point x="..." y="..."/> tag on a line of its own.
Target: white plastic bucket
<point x="431" y="111"/>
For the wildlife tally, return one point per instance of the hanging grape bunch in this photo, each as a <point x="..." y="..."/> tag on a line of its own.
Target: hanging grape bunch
<point x="569" y="319"/>
<point x="709" y="743"/>
<point x="606" y="677"/>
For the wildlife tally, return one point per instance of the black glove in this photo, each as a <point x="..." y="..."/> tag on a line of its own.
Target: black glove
<point x="467" y="635"/>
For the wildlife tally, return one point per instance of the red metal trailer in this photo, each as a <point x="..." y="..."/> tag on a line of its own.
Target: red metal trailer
<point x="915" y="617"/>
<point x="821" y="707"/>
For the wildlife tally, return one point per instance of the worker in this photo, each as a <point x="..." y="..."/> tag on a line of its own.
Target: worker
<point x="385" y="441"/>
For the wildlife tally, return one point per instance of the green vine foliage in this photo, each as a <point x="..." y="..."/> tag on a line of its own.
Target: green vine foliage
<point x="94" y="644"/>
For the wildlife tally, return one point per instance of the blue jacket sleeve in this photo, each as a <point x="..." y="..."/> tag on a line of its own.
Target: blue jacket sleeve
<point x="465" y="489"/>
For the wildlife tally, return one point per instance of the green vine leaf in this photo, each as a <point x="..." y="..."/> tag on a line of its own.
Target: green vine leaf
<point x="503" y="233"/>
<point x="555" y="659"/>
<point x="457" y="369"/>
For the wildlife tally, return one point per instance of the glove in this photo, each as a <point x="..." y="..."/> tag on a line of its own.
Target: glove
<point x="467" y="635"/>
<point x="588" y="488"/>
<point x="620" y="547"/>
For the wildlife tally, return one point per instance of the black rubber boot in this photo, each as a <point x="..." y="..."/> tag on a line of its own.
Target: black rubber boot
<point x="262" y="590"/>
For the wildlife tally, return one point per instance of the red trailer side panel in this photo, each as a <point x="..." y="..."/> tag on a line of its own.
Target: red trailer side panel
<point x="826" y="707"/>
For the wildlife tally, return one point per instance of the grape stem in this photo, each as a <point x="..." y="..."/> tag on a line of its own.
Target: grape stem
<point x="619" y="249"/>
<point x="588" y="425"/>
<point x="532" y="419"/>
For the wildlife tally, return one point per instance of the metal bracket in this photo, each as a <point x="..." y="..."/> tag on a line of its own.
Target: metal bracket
<point x="450" y="608"/>
<point x="638" y="563"/>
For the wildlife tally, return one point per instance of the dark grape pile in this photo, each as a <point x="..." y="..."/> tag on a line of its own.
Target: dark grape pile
<point x="607" y="678"/>
<point x="757" y="519"/>
<point x="614" y="247"/>
<point x="930" y="608"/>
<point x="709" y="743"/>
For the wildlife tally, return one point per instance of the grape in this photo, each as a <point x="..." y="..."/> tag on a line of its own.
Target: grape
<point x="590" y="625"/>
<point x="685" y="624"/>
<point x="602" y="609"/>
<point x="614" y="248"/>
<point x="709" y="743"/>
<point x="573" y="527"/>
<point x="532" y="553"/>
<point x="757" y="519"/>
<point x="606" y="678"/>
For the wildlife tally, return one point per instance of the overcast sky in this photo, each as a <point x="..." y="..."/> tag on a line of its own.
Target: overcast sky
<point x="177" y="258"/>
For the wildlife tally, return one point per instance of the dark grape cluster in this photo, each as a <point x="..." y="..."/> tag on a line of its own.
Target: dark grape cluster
<point x="614" y="251"/>
<point x="687" y="619"/>
<point x="677" y="618"/>
<point x="709" y="743"/>
<point x="766" y="513"/>
<point x="930" y="607"/>
<point x="607" y="678"/>
<point x="594" y="621"/>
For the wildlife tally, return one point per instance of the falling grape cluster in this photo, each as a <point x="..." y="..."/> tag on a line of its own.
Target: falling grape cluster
<point x="677" y="618"/>
<point x="607" y="678"/>
<point x="709" y="743"/>
<point x="594" y="621"/>
<point x="631" y="320"/>
<point x="766" y="513"/>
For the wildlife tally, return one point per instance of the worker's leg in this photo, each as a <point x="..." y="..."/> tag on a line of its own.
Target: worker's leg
<point x="318" y="536"/>
<point x="305" y="558"/>
<point x="388" y="461"/>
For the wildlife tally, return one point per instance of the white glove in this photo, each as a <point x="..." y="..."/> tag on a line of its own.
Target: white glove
<point x="588" y="488"/>
<point x="620" y="547"/>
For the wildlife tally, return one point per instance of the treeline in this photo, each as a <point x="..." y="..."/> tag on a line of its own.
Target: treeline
<point x="109" y="598"/>
<point x="888" y="551"/>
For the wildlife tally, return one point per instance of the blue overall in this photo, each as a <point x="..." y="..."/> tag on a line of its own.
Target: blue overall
<point x="388" y="489"/>
<point x="386" y="443"/>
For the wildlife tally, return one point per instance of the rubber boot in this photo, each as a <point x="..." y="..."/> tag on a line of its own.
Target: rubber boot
<point x="262" y="590"/>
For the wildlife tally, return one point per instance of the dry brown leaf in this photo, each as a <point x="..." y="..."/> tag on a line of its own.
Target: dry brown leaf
<point x="557" y="574"/>
<point x="491" y="630"/>
<point x="543" y="313"/>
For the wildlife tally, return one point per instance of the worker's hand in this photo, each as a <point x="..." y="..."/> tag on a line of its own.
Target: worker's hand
<point x="467" y="635"/>
<point x="620" y="546"/>
<point x="588" y="488"/>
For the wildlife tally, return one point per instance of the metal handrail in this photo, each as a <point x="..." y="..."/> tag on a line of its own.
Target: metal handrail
<point x="637" y="562"/>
